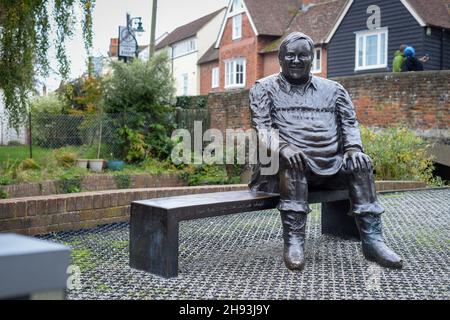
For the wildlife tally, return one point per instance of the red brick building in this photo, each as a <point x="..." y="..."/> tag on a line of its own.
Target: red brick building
<point x="247" y="45"/>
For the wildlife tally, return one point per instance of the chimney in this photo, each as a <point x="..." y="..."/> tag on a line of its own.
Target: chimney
<point x="113" y="47"/>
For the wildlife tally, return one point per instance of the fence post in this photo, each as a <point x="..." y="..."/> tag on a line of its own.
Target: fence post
<point x="30" y="134"/>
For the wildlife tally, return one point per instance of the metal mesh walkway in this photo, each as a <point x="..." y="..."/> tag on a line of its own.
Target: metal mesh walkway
<point x="240" y="257"/>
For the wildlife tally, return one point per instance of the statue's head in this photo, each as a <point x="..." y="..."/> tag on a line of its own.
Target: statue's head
<point x="296" y="55"/>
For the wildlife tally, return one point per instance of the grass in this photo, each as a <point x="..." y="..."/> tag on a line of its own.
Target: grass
<point x="120" y="244"/>
<point x="20" y="153"/>
<point x="82" y="257"/>
<point x="103" y="287"/>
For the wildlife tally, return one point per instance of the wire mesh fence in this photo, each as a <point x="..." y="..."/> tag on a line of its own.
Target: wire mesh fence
<point x="97" y="135"/>
<point x="91" y="135"/>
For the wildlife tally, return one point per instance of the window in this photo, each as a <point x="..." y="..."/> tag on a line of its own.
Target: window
<point x="184" y="84"/>
<point x="184" y="47"/>
<point x="371" y="49"/>
<point x="317" y="63"/>
<point x="215" y="77"/>
<point x="237" y="26"/>
<point x="235" y="73"/>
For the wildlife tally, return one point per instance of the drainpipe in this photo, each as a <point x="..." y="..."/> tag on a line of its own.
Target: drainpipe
<point x="171" y="59"/>
<point x="442" y="48"/>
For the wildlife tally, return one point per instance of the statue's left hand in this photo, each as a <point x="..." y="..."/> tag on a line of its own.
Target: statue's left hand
<point x="356" y="160"/>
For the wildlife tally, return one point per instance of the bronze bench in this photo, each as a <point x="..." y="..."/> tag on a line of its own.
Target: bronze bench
<point x="154" y="223"/>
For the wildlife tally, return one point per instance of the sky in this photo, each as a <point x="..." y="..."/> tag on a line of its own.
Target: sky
<point x="110" y="14"/>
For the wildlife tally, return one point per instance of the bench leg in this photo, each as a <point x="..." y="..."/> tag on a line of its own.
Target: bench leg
<point x="153" y="242"/>
<point x="336" y="221"/>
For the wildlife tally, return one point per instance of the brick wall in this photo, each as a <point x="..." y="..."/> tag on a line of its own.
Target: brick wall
<point x="206" y="77"/>
<point x="420" y="100"/>
<point x="44" y="214"/>
<point x="229" y="110"/>
<point x="94" y="183"/>
<point x="262" y="42"/>
<point x="323" y="63"/>
<point x="271" y="64"/>
<point x="245" y="47"/>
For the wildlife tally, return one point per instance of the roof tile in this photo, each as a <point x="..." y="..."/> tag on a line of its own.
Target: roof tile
<point x="212" y="54"/>
<point x="188" y="30"/>
<point x="317" y="22"/>
<point x="272" y="17"/>
<point x="433" y="12"/>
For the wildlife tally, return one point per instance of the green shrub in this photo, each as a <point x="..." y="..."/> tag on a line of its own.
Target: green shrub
<point x="203" y="174"/>
<point x="69" y="184"/>
<point x="209" y="174"/>
<point x="65" y="158"/>
<point x="123" y="181"/>
<point x="3" y="194"/>
<point x="29" y="164"/>
<point x="143" y="94"/>
<point x="9" y="170"/>
<point x="398" y="154"/>
<point x="191" y="102"/>
<point x="5" y="180"/>
<point x="134" y="145"/>
<point x="154" y="166"/>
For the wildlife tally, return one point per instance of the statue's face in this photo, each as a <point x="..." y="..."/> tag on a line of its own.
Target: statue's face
<point x="296" y="61"/>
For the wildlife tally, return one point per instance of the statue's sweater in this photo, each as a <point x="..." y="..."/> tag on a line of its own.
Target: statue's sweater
<point x="318" y="117"/>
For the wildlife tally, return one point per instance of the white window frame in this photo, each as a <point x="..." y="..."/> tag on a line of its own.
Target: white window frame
<point x="230" y="78"/>
<point x="237" y="27"/>
<point x="239" y="4"/>
<point x="364" y="34"/>
<point x="215" y="77"/>
<point x="184" y="84"/>
<point x="185" y="47"/>
<point x="314" y="68"/>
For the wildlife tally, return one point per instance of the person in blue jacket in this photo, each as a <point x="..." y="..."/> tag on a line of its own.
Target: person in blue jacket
<point x="411" y="63"/>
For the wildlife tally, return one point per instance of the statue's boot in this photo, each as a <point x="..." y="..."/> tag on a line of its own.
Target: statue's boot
<point x="294" y="226"/>
<point x="373" y="246"/>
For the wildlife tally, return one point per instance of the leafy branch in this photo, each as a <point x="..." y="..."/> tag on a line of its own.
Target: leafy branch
<point x="25" y="26"/>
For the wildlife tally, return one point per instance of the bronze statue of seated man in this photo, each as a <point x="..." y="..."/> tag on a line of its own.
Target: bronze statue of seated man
<point x="319" y="143"/>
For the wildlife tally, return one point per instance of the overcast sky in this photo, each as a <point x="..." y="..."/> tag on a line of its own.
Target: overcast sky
<point x="109" y="14"/>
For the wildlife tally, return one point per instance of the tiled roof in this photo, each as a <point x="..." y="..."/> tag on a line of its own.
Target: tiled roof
<point x="211" y="55"/>
<point x="272" y="17"/>
<point x="187" y="30"/>
<point x="317" y="22"/>
<point x="433" y="12"/>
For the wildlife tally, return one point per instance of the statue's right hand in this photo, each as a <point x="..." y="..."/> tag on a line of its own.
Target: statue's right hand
<point x="294" y="156"/>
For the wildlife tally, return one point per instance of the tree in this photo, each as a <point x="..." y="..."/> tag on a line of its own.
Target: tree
<point x="24" y="42"/>
<point x="142" y="94"/>
<point x="82" y="95"/>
